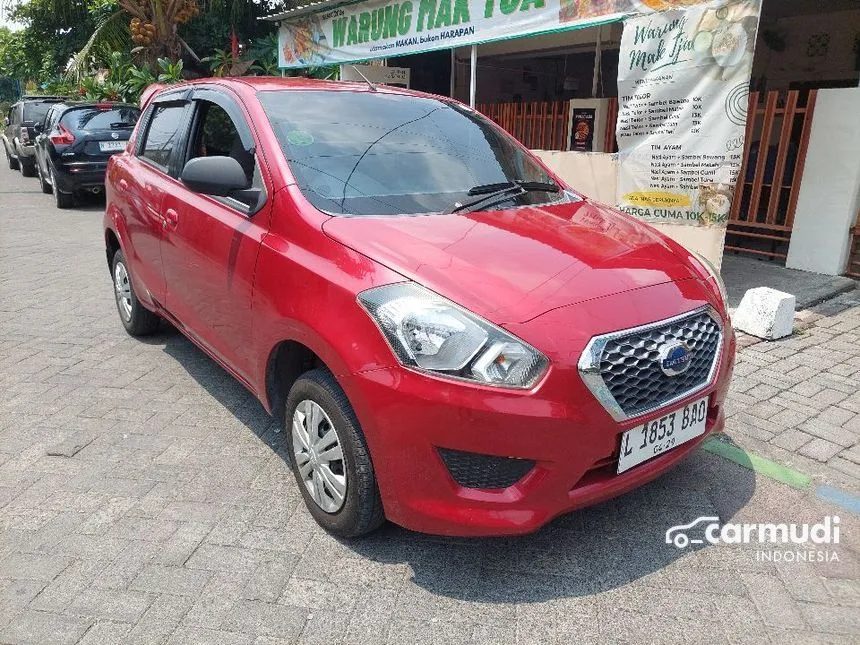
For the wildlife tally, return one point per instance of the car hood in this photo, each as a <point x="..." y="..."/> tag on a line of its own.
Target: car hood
<point x="512" y="265"/>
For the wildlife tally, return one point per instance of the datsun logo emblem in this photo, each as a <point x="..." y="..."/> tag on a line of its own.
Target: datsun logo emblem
<point x="674" y="358"/>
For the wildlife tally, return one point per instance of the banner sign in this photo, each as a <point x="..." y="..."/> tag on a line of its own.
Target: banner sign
<point x="383" y="28"/>
<point x="683" y="86"/>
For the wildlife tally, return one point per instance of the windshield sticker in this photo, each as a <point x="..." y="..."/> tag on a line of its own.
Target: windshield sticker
<point x="300" y="138"/>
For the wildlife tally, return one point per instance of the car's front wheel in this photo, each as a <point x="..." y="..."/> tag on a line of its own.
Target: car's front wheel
<point x="137" y="319"/>
<point x="329" y="457"/>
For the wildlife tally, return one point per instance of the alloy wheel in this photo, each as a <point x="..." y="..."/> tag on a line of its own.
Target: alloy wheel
<point x="319" y="456"/>
<point x="122" y="288"/>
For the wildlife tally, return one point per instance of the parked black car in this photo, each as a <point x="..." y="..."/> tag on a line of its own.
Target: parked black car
<point x="75" y="142"/>
<point x="19" y="131"/>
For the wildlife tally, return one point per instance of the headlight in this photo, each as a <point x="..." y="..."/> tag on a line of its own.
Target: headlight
<point x="433" y="334"/>
<point x="710" y="268"/>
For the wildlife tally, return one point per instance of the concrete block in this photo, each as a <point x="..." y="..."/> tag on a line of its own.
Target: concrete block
<point x="766" y="313"/>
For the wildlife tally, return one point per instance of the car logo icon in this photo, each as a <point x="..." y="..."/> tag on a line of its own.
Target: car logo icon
<point x="674" y="358"/>
<point x="678" y="535"/>
<point x="114" y="135"/>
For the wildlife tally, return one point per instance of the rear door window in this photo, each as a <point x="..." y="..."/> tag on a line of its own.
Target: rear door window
<point x="95" y="118"/>
<point x="163" y="134"/>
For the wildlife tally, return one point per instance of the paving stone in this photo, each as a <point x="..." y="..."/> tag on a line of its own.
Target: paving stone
<point x="819" y="449"/>
<point x="264" y="619"/>
<point x="774" y="604"/>
<point x="792" y="439"/>
<point x="201" y="636"/>
<point x="111" y="604"/>
<point x="172" y="580"/>
<point x="42" y="628"/>
<point x="839" y="620"/>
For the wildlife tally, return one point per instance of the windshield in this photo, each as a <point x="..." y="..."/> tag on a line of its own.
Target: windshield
<point x="95" y="118"/>
<point x="371" y="153"/>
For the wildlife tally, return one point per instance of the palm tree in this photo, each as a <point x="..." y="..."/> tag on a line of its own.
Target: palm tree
<point x="150" y="24"/>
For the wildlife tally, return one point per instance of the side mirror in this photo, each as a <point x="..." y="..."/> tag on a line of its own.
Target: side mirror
<point x="219" y="176"/>
<point x="38" y="129"/>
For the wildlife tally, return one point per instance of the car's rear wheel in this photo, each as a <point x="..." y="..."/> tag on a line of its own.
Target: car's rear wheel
<point x="329" y="457"/>
<point x="44" y="185"/>
<point x="28" y="169"/>
<point x="137" y="319"/>
<point x="62" y="200"/>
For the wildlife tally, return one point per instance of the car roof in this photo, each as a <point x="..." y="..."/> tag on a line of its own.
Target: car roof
<point x="113" y="104"/>
<point x="276" y="83"/>
<point x="44" y="99"/>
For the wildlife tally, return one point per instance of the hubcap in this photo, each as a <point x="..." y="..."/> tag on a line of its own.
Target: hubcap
<point x="122" y="287"/>
<point x="318" y="456"/>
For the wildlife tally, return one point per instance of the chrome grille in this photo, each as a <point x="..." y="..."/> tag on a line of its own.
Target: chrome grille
<point x="623" y="371"/>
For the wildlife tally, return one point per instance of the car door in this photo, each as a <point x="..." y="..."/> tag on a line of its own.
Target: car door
<point x="142" y="180"/>
<point x="211" y="244"/>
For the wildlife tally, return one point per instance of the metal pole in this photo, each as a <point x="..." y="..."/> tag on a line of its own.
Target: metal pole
<point x="597" y="55"/>
<point x="473" y="80"/>
<point x="453" y="67"/>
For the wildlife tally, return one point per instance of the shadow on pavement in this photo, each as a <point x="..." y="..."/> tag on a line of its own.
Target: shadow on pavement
<point x="584" y="552"/>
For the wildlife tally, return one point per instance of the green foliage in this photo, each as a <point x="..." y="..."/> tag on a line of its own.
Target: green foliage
<point x="79" y="37"/>
<point x="53" y="31"/>
<point x="221" y="62"/>
<point x="169" y="72"/>
<point x="264" y="51"/>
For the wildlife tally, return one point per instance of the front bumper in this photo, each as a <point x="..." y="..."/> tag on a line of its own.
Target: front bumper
<point x="560" y="426"/>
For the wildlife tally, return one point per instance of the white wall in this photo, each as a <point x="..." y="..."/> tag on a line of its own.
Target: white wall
<point x="830" y="190"/>
<point x="596" y="175"/>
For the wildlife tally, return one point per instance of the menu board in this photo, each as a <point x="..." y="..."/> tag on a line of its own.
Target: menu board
<point x="683" y="84"/>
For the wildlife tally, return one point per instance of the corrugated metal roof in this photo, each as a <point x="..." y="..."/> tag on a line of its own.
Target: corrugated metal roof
<point x="308" y="7"/>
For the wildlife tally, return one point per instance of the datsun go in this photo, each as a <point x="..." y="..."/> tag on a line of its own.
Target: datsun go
<point x="453" y="338"/>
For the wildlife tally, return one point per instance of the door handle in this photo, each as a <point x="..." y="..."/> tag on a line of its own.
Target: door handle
<point x="171" y="218"/>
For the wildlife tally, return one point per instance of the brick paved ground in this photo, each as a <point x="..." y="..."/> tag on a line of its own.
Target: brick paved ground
<point x="144" y="499"/>
<point x="797" y="400"/>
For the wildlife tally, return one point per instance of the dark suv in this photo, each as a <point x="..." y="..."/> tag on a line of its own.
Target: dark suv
<point x="74" y="143"/>
<point x="20" y="133"/>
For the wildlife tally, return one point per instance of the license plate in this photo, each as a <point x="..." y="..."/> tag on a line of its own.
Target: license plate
<point x="111" y="146"/>
<point x="661" y="435"/>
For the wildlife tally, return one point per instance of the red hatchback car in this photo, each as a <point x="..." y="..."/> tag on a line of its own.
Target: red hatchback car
<point x="453" y="338"/>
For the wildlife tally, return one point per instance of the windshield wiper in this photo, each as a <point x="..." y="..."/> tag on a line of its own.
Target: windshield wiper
<point x="488" y="193"/>
<point x="121" y="125"/>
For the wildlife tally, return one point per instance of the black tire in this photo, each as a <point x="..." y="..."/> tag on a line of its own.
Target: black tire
<point x="44" y="185"/>
<point x="27" y="169"/>
<point x="140" y="321"/>
<point x="61" y="199"/>
<point x="13" y="163"/>
<point x="361" y="511"/>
